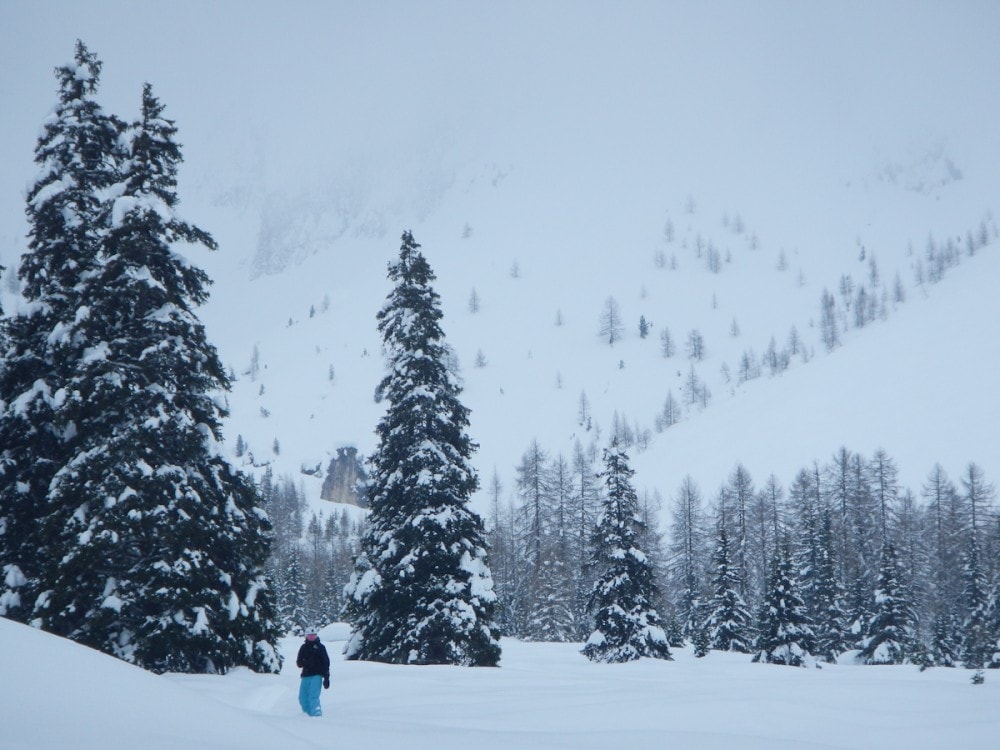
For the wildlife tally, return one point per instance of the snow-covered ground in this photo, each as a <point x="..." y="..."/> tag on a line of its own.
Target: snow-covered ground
<point x="57" y="695"/>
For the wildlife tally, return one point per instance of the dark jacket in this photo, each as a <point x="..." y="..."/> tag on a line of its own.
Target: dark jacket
<point x="313" y="659"/>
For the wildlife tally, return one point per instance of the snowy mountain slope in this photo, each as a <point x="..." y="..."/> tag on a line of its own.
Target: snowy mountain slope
<point x="918" y="385"/>
<point x="561" y="140"/>
<point x="57" y="694"/>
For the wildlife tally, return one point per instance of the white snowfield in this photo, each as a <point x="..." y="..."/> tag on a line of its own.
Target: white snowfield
<point x="56" y="695"/>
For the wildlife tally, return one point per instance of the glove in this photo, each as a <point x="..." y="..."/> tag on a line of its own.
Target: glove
<point x="326" y="683"/>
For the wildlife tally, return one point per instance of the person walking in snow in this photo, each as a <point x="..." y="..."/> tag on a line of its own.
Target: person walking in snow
<point x="315" y="665"/>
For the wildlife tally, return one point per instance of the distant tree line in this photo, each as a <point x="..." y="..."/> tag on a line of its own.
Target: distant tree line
<point x="843" y="560"/>
<point x="542" y="543"/>
<point x="312" y="555"/>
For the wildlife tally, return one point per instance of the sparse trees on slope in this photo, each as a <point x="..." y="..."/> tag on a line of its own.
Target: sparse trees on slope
<point x="696" y="346"/>
<point x="422" y="592"/>
<point x="669" y="415"/>
<point x="828" y="325"/>
<point x="627" y="626"/>
<point x="667" y="346"/>
<point x="611" y="325"/>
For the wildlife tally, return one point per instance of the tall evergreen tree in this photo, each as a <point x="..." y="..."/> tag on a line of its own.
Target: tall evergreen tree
<point x="686" y="551"/>
<point x="979" y="636"/>
<point x="892" y="629"/>
<point x="729" y="623"/>
<point x="885" y="487"/>
<point x="78" y="162"/>
<point x="627" y="626"/>
<point x="740" y="494"/>
<point x="422" y="592"/>
<point x="585" y="504"/>
<point x="785" y="633"/>
<point x="504" y="560"/>
<point x="945" y="528"/>
<point x="827" y="597"/>
<point x="550" y="617"/>
<point x="856" y="527"/>
<point x="805" y="504"/>
<point x="914" y="560"/>
<point x="651" y="541"/>
<point x="541" y="525"/>
<point x="766" y="518"/>
<point x="160" y="543"/>
<point x="292" y="599"/>
<point x="945" y="649"/>
<point x="977" y="642"/>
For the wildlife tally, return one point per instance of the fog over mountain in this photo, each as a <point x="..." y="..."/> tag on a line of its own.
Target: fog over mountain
<point x="710" y="168"/>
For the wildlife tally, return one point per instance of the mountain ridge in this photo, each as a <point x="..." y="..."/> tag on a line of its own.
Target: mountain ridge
<point x="562" y="144"/>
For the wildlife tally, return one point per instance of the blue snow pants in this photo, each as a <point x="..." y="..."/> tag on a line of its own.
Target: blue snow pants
<point x="309" y="695"/>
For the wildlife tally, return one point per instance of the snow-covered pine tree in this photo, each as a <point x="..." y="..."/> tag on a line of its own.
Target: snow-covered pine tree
<point x="653" y="542"/>
<point x="859" y="608"/>
<point x="626" y="625"/>
<point x="292" y="600"/>
<point x="77" y="159"/>
<point x="785" y="634"/>
<point x="331" y="594"/>
<point x="944" y="528"/>
<point x="504" y="560"/>
<point x="551" y="617"/>
<point x="729" y="623"/>
<point x="891" y="630"/>
<point x="979" y="636"/>
<point x="827" y="597"/>
<point x="160" y="542"/>
<point x="977" y="642"/>
<point x="945" y="648"/>
<point x="740" y="493"/>
<point x="534" y="528"/>
<point x="422" y="592"/>
<point x="686" y="552"/>
<point x="862" y="543"/>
